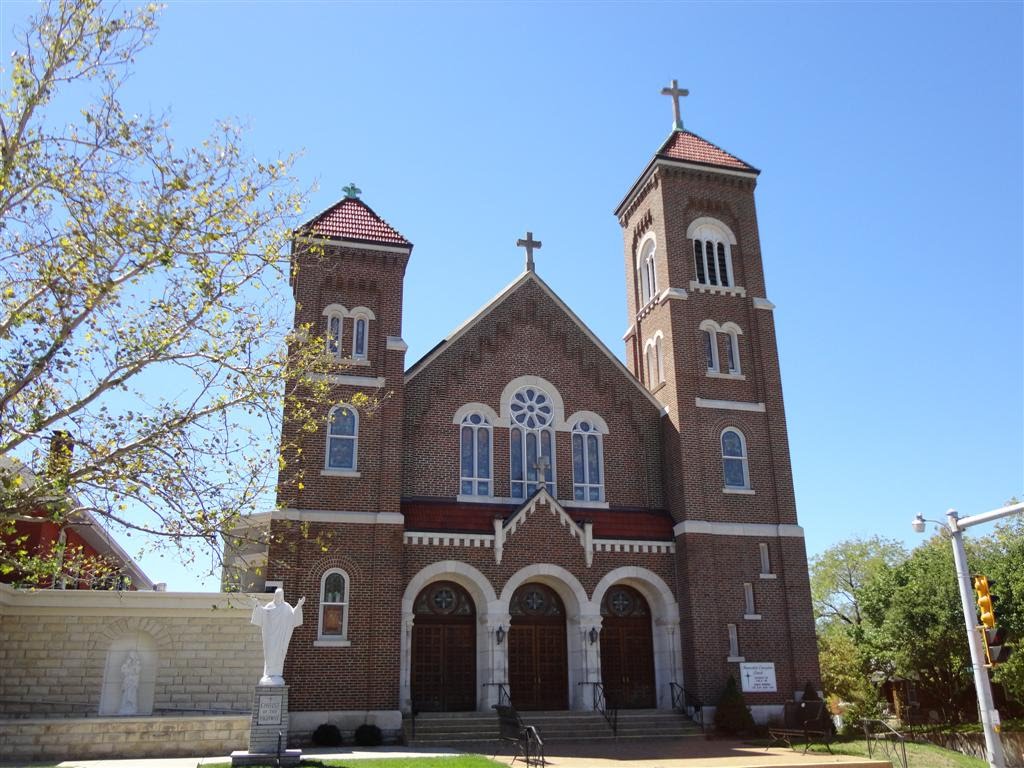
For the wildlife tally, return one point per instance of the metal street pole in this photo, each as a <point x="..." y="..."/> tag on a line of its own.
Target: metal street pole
<point x="986" y="707"/>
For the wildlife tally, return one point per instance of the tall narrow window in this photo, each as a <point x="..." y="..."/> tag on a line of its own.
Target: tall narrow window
<point x="646" y="273"/>
<point x="734" y="642"/>
<point x="698" y="261"/>
<point x="709" y="256"/>
<point x="766" y="565"/>
<point x="723" y="272"/>
<point x="660" y="357"/>
<point x="475" y="456"/>
<point x="734" y="352"/>
<point x="587" y="463"/>
<point x="748" y="599"/>
<point x="734" y="459"/>
<point x="710" y="339"/>
<point x="342" y="437"/>
<point x="359" y="338"/>
<point x="531" y="442"/>
<point x="334" y="335"/>
<point x="334" y="605"/>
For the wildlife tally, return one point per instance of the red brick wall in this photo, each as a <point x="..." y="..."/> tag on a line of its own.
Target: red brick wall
<point x="529" y="334"/>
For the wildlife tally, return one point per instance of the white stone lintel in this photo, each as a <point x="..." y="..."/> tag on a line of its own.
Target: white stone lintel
<point x="729" y="405"/>
<point x="764" y="530"/>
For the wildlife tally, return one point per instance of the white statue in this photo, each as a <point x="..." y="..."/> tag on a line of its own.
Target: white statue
<point x="130" y="672"/>
<point x="277" y="619"/>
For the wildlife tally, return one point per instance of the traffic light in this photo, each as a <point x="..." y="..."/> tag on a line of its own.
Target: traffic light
<point x="994" y="637"/>
<point x="985" y="602"/>
<point x="995" y="646"/>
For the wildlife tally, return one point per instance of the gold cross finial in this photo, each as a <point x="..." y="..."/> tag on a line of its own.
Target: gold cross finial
<point x="675" y="92"/>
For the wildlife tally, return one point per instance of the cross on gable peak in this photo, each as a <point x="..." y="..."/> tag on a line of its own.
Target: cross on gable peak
<point x="675" y="92"/>
<point x="530" y="245"/>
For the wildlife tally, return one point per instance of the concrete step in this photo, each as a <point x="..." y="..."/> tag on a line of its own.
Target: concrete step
<point x="437" y="728"/>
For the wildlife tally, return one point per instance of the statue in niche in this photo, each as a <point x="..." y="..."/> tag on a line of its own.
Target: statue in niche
<point x="276" y="619"/>
<point x="131" y="671"/>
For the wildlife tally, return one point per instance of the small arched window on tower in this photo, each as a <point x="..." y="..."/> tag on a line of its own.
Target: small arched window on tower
<point x="712" y="252"/>
<point x="475" y="455"/>
<point x="335" y="315"/>
<point x="654" y="363"/>
<point x="361" y="318"/>
<point x="342" y="438"/>
<point x="732" y="340"/>
<point x="647" y="274"/>
<point x="709" y="344"/>
<point x="587" y="462"/>
<point x="333" y="605"/>
<point x="734" y="460"/>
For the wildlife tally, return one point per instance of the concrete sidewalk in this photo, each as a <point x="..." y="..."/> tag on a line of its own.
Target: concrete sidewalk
<point x="649" y="753"/>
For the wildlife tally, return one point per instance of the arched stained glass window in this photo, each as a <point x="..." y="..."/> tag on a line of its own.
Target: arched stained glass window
<point x="531" y="442"/>
<point x="587" y="463"/>
<point x="734" y="459"/>
<point x="334" y="605"/>
<point x="342" y="437"/>
<point x="475" y="455"/>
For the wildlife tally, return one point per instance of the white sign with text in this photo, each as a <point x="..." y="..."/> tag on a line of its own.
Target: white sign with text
<point x="757" y="677"/>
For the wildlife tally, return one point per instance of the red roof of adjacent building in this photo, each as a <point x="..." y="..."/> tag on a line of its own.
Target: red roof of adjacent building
<point x="691" y="148"/>
<point x="352" y="219"/>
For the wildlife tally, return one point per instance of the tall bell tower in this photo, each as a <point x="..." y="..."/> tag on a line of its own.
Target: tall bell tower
<point x="701" y="337"/>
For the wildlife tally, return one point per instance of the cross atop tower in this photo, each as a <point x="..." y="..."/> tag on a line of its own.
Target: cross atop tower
<point x="675" y="92"/>
<point x="530" y="245"/>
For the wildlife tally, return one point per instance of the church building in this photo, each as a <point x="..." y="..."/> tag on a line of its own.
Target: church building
<point x="526" y="517"/>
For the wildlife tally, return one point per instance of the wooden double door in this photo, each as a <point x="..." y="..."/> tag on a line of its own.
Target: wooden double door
<point x="444" y="650"/>
<point x="627" y="649"/>
<point x="537" y="655"/>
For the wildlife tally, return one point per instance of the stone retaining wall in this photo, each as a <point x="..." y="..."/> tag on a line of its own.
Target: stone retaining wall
<point x="57" y="739"/>
<point x="61" y="652"/>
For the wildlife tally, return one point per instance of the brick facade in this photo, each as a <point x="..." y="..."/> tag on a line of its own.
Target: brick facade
<point x="666" y="525"/>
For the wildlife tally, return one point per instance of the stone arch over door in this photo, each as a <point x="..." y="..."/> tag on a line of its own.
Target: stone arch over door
<point x="580" y="615"/>
<point x="489" y="616"/>
<point x="666" y="637"/>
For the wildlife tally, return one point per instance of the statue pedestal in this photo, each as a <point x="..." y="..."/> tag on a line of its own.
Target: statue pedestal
<point x="268" y="730"/>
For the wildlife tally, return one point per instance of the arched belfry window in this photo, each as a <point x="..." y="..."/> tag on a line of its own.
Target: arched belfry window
<point x="342" y="437"/>
<point x="712" y="252"/>
<point x="475" y="455"/>
<point x="587" y="463"/>
<point x="647" y="274"/>
<point x="531" y="442"/>
<point x="334" y="605"/>
<point x="735" y="471"/>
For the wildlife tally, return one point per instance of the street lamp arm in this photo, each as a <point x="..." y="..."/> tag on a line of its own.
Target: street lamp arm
<point x="987" y="517"/>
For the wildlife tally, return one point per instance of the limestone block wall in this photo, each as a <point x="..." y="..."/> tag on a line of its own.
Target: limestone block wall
<point x="61" y="653"/>
<point x="52" y="739"/>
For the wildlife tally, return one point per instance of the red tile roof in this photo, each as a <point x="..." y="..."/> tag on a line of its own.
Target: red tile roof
<point x="683" y="145"/>
<point x="352" y="219"/>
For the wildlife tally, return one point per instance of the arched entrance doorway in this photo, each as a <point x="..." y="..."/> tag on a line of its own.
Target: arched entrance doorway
<point x="537" y="657"/>
<point x="443" y="649"/>
<point x="627" y="649"/>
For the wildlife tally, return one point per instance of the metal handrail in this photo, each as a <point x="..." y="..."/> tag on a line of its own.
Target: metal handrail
<point x="610" y="714"/>
<point x="504" y="696"/>
<point x="686" y="702"/>
<point x="888" y="737"/>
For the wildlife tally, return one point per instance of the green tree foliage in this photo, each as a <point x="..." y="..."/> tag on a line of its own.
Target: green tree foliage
<point x="884" y="613"/>
<point x="851" y="671"/>
<point x="144" y="302"/>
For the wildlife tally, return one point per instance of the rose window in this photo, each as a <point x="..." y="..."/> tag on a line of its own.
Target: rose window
<point x="531" y="408"/>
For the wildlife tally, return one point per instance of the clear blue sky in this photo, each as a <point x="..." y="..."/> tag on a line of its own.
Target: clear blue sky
<point x="890" y="203"/>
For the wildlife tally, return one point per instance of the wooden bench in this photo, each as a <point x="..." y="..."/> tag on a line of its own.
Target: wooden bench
<point x="527" y="741"/>
<point x="807" y="721"/>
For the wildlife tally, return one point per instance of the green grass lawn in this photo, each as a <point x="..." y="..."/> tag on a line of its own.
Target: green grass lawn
<point x="918" y="755"/>
<point x="457" y="761"/>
